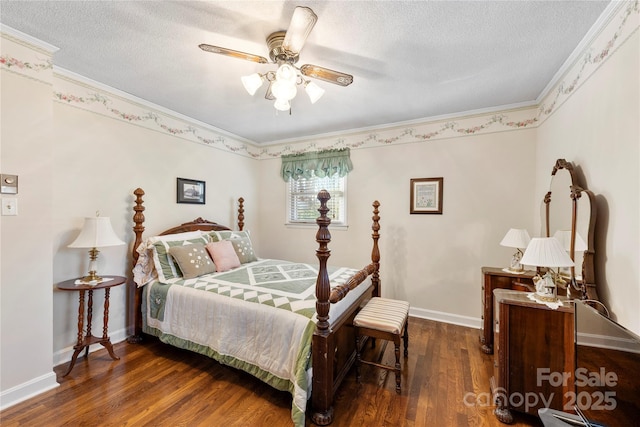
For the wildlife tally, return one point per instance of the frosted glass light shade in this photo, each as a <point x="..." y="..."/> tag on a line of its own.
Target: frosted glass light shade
<point x="252" y="83"/>
<point x="284" y="90"/>
<point x="286" y="73"/>
<point x="516" y="238"/>
<point x="315" y="92"/>
<point x="97" y="232"/>
<point x="564" y="237"/>
<point x="546" y="252"/>
<point x="282" y="105"/>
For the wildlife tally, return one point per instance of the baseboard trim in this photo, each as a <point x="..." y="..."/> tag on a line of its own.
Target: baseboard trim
<point x="47" y="382"/>
<point x="27" y="390"/>
<point x="439" y="316"/>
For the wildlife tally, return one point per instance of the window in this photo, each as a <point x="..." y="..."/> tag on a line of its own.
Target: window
<point x="303" y="203"/>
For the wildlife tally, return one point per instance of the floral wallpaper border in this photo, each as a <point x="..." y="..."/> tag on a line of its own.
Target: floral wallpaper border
<point x="69" y="91"/>
<point x="25" y="59"/>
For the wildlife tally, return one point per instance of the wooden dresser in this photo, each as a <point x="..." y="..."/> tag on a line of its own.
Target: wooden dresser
<point x="496" y="278"/>
<point x="534" y="355"/>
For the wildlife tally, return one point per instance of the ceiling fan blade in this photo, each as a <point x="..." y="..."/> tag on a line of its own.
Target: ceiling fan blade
<point x="233" y="53"/>
<point x="331" y="76"/>
<point x="302" y="23"/>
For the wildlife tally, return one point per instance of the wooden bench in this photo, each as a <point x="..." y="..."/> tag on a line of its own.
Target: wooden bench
<point x="387" y="319"/>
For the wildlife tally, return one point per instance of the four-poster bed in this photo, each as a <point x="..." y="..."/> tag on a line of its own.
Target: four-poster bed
<point x="324" y="340"/>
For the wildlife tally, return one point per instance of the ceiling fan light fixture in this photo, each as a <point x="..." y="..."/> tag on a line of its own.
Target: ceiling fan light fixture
<point x="314" y="91"/>
<point x="252" y="83"/>
<point x="284" y="90"/>
<point x="286" y="73"/>
<point x="282" y="104"/>
<point x="284" y="49"/>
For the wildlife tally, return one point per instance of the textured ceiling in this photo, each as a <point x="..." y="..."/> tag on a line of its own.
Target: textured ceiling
<point x="410" y="60"/>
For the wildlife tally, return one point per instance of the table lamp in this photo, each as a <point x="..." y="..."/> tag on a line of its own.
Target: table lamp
<point x="516" y="238"/>
<point x="579" y="245"/>
<point x="97" y="232"/>
<point x="546" y="252"/>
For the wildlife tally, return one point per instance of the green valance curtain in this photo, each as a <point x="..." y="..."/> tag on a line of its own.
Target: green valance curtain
<point x="321" y="164"/>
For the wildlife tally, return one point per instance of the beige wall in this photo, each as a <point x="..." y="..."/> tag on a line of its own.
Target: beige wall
<point x="433" y="261"/>
<point x="598" y="128"/>
<point x="26" y="309"/>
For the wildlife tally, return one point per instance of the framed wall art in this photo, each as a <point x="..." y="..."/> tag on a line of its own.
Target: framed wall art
<point x="426" y="196"/>
<point x="190" y="191"/>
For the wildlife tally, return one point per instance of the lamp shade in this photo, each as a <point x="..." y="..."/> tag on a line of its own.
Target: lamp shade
<point x="252" y="83"/>
<point x="546" y="252"/>
<point x="314" y="91"/>
<point x="97" y="232"/>
<point x="516" y="238"/>
<point x="564" y="237"/>
<point x="282" y="105"/>
<point x="286" y="73"/>
<point x="284" y="90"/>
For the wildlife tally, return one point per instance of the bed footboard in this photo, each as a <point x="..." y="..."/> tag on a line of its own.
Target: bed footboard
<point x="333" y="351"/>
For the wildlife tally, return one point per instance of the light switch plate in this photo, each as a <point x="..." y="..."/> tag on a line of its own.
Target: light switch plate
<point x="9" y="206"/>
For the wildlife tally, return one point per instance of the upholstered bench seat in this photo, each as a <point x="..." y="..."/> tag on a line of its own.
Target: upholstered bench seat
<point x="386" y="319"/>
<point x="384" y="314"/>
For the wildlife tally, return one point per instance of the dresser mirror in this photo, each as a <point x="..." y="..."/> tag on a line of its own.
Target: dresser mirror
<point x="570" y="216"/>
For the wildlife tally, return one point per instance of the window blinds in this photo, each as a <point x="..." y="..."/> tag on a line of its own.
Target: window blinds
<point x="303" y="199"/>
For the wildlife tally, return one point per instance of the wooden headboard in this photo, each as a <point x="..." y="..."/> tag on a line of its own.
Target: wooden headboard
<point x="196" y="224"/>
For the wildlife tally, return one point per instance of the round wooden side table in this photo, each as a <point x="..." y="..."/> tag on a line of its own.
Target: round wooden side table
<point x="84" y="341"/>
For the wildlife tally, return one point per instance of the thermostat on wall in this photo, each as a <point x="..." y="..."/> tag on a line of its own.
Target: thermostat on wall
<point x="8" y="184"/>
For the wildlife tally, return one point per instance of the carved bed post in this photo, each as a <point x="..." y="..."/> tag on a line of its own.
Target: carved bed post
<point x="322" y="354"/>
<point x="240" y="214"/>
<point x="135" y="293"/>
<point x="375" y="252"/>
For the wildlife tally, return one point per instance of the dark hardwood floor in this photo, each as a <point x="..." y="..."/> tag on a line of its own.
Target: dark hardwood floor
<point x="154" y="384"/>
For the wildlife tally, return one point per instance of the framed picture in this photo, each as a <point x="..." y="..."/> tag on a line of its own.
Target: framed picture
<point x="191" y="191"/>
<point x="426" y="196"/>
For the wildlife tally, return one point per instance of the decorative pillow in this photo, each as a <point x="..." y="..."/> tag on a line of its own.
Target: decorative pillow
<point x="243" y="249"/>
<point x="241" y="243"/>
<point x="193" y="260"/>
<point x="223" y="255"/>
<point x="165" y="266"/>
<point x="217" y="236"/>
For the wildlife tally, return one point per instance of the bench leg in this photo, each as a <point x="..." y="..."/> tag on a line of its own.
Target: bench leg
<point x="398" y="369"/>
<point x="406" y="339"/>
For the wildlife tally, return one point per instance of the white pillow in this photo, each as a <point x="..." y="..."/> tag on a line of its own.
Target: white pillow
<point x="178" y="236"/>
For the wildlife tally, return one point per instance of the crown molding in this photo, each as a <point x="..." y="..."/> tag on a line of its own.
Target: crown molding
<point x="27" y="40"/>
<point x="596" y="29"/>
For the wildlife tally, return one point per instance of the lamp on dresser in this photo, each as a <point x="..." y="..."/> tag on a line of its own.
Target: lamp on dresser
<point x="516" y="238"/>
<point x="97" y="232"/>
<point x="579" y="245"/>
<point x="547" y="252"/>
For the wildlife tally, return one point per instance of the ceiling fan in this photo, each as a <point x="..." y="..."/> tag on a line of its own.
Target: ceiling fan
<point x="284" y="50"/>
